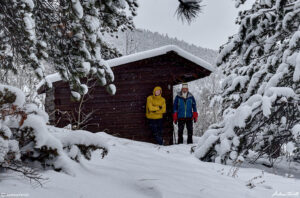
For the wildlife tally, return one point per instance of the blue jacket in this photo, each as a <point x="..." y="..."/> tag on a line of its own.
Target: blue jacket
<point x="184" y="107"/>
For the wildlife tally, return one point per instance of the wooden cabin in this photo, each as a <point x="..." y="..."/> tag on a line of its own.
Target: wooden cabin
<point x="123" y="114"/>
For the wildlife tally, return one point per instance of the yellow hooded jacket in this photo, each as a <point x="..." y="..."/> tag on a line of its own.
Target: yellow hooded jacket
<point x="153" y="110"/>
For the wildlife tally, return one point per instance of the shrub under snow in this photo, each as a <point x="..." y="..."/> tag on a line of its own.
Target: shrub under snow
<point x="26" y="139"/>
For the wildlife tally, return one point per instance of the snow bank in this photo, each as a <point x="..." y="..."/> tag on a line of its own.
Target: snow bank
<point x="143" y="170"/>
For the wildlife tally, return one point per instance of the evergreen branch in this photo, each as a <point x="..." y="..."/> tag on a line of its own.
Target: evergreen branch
<point x="27" y="172"/>
<point x="188" y="10"/>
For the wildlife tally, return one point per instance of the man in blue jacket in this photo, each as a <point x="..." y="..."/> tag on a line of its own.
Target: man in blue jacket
<point x="185" y="112"/>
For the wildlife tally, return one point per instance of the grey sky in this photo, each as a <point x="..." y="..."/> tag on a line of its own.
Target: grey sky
<point x="210" y="30"/>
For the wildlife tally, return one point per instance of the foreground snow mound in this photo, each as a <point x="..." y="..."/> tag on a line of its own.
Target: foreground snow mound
<point x="26" y="139"/>
<point x="143" y="170"/>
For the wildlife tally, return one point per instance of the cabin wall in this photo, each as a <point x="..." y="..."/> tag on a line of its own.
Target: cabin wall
<point x="123" y="114"/>
<point x="50" y="105"/>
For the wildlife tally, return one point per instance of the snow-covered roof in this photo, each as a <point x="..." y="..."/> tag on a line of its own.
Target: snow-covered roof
<point x="49" y="78"/>
<point x="140" y="56"/>
<point x="160" y="51"/>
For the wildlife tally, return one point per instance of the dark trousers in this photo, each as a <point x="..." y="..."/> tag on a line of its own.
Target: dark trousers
<point x="189" y="126"/>
<point x="156" y="126"/>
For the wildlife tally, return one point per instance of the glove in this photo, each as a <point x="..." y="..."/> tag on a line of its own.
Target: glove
<point x="175" y="117"/>
<point x="195" y="116"/>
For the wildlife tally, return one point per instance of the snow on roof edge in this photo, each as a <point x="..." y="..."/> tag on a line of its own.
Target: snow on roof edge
<point x="159" y="51"/>
<point x="140" y="56"/>
<point x="50" y="78"/>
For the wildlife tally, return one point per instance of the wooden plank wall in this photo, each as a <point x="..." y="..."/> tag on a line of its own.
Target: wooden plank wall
<point x="123" y="115"/>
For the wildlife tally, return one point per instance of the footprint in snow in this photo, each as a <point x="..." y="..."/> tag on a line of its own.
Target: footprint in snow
<point x="148" y="188"/>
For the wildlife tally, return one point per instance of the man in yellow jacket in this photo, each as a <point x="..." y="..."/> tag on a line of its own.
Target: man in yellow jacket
<point x="155" y="108"/>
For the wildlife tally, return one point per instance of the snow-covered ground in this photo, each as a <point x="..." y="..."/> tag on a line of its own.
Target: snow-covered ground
<point x="137" y="170"/>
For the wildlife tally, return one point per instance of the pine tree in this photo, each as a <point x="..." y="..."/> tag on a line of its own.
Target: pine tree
<point x="260" y="98"/>
<point x="65" y="33"/>
<point x="68" y="34"/>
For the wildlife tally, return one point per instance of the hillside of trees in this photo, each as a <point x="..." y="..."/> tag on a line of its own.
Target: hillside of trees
<point x="138" y="40"/>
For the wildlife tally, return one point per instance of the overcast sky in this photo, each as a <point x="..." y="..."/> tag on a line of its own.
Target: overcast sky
<point x="210" y="30"/>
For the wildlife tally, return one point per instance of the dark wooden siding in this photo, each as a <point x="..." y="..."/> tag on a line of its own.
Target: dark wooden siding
<point x="123" y="114"/>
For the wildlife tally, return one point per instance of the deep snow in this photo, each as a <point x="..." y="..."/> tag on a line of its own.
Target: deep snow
<point x="137" y="170"/>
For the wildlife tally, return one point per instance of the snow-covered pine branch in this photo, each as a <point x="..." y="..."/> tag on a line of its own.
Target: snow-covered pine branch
<point x="25" y="137"/>
<point x="67" y="34"/>
<point x="261" y="91"/>
<point x="188" y="10"/>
